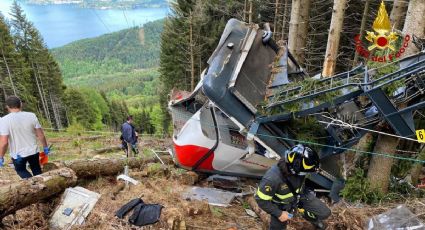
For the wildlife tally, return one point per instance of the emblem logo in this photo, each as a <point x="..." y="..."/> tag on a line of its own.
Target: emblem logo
<point x="268" y="188"/>
<point x="382" y="38"/>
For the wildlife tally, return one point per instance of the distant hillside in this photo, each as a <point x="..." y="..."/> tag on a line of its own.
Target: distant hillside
<point x="122" y="51"/>
<point x="106" y="4"/>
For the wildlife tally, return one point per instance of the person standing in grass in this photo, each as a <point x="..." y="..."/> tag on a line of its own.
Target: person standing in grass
<point x="20" y="130"/>
<point x="129" y="136"/>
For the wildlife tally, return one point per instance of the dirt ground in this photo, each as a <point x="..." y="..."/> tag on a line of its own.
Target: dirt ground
<point x="163" y="185"/>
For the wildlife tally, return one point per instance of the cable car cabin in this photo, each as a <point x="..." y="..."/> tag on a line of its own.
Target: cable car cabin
<point x="246" y="111"/>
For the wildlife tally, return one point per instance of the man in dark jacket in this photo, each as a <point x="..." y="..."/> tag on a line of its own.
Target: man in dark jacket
<point x="281" y="191"/>
<point x="129" y="136"/>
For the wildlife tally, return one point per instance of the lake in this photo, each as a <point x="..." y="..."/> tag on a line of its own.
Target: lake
<point x="62" y="24"/>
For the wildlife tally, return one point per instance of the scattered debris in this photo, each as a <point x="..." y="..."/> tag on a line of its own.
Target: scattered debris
<point x="251" y="213"/>
<point x="214" y="196"/>
<point x="75" y="206"/>
<point x="156" y="153"/>
<point x="196" y="208"/>
<point x="400" y="218"/>
<point x="34" y="189"/>
<point x="143" y="214"/>
<point x="127" y="179"/>
<point x="225" y="182"/>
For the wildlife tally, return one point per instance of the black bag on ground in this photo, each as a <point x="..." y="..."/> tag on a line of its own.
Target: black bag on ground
<point x="145" y="214"/>
<point x="128" y="207"/>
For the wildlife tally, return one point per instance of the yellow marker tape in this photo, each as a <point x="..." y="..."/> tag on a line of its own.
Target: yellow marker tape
<point x="420" y="135"/>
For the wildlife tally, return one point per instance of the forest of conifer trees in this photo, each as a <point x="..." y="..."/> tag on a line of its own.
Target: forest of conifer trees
<point x="29" y="70"/>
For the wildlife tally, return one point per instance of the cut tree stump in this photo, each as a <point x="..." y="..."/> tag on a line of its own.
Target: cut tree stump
<point x="30" y="191"/>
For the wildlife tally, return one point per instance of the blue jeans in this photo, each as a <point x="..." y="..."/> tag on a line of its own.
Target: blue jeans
<point x="21" y="166"/>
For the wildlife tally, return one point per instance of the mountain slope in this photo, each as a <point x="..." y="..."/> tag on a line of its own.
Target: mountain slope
<point x="122" y="51"/>
<point x="105" y="4"/>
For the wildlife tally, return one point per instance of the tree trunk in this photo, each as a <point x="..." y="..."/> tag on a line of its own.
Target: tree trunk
<point x="107" y="149"/>
<point x="294" y="24"/>
<point x="245" y="10"/>
<point x="284" y="20"/>
<point x="362" y="27"/>
<point x="44" y="95"/>
<point x="26" y="192"/>
<point x="352" y="157"/>
<point x="3" y="90"/>
<point x="380" y="167"/>
<point x="334" y="36"/>
<point x="56" y="112"/>
<point x="415" y="172"/>
<point x="414" y="23"/>
<point x="192" y="55"/>
<point x="9" y="73"/>
<point x="398" y="13"/>
<point x="39" y="90"/>
<point x="276" y="16"/>
<point x="303" y="30"/>
<point x="107" y="167"/>
<point x="250" y="12"/>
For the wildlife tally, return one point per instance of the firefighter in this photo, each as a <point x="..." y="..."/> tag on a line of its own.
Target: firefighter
<point x="282" y="192"/>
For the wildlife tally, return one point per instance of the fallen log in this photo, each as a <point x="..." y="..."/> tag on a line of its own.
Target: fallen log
<point x="92" y="138"/>
<point x="265" y="218"/>
<point x="30" y="191"/>
<point x="107" y="150"/>
<point x="106" y="167"/>
<point x="23" y="193"/>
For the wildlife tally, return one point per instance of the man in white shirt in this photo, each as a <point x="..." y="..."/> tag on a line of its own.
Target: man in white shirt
<point x="20" y="130"/>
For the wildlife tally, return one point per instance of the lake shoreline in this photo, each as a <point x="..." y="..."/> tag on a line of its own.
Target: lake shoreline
<point x="61" y="24"/>
<point x="99" y="6"/>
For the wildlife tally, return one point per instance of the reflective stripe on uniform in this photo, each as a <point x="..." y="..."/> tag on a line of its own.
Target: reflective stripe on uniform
<point x="286" y="196"/>
<point x="310" y="214"/>
<point x="280" y="202"/>
<point x="263" y="196"/>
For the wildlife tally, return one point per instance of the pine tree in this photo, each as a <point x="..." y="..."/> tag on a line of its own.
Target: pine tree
<point x="79" y="108"/>
<point x="46" y="80"/>
<point x="14" y="71"/>
<point x="334" y="36"/>
<point x="298" y="28"/>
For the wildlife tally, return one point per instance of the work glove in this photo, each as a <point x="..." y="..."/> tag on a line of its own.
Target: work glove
<point x="46" y="150"/>
<point x="1" y="162"/>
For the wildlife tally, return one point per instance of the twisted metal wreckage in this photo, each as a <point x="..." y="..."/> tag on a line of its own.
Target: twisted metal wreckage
<point x="236" y="120"/>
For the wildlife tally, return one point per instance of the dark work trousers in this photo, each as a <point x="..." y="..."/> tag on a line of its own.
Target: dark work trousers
<point x="314" y="211"/>
<point x="21" y="166"/>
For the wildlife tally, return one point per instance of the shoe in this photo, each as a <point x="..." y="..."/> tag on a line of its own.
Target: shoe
<point x="319" y="225"/>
